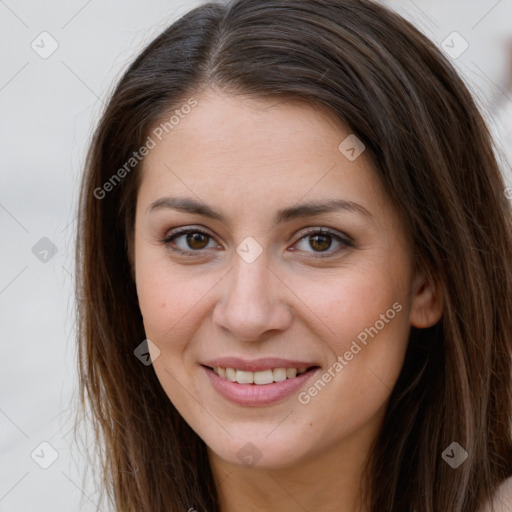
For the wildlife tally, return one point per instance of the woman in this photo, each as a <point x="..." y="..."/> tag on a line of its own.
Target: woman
<point x="293" y="211"/>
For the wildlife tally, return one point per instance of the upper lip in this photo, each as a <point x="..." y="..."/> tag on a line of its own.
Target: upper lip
<point x="256" y="365"/>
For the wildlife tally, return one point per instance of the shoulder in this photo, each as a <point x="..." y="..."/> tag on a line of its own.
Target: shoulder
<point x="502" y="501"/>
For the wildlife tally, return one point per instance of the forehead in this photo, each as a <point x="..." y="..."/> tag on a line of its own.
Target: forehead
<point x="221" y="123"/>
<point x="238" y="148"/>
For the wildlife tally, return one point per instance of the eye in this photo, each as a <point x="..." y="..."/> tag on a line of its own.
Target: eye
<point x="194" y="241"/>
<point x="188" y="241"/>
<point x="321" y="240"/>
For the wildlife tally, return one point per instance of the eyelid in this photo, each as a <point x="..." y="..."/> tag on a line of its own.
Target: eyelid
<point x="183" y="230"/>
<point x="324" y="230"/>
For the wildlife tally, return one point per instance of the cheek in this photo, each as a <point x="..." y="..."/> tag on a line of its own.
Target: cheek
<point x="162" y="300"/>
<point x="171" y="302"/>
<point x="367" y="357"/>
<point x="171" y="306"/>
<point x="365" y="324"/>
<point x="350" y="302"/>
<point x="166" y="305"/>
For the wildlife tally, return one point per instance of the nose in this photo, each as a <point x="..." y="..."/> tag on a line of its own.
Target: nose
<point x="253" y="301"/>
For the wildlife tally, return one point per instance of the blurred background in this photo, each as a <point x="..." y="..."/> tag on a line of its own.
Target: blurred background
<point x="59" y="60"/>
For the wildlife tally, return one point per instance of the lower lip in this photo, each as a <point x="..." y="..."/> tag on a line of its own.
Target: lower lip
<point x="257" y="394"/>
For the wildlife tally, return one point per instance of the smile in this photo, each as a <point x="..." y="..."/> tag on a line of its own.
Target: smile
<point x="258" y="383"/>
<point x="259" y="378"/>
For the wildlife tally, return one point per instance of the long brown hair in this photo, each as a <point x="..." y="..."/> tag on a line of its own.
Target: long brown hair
<point x="395" y="90"/>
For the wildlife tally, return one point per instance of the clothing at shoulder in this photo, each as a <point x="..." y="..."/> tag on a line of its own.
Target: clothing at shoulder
<point x="503" y="500"/>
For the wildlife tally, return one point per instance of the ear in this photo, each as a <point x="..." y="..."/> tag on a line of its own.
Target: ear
<point x="426" y="301"/>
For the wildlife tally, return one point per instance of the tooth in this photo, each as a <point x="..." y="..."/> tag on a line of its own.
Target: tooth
<point x="244" y="377"/>
<point x="291" y="372"/>
<point x="263" y="377"/>
<point x="278" y="374"/>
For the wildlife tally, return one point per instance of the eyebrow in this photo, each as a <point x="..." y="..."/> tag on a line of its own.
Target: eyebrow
<point x="308" y="209"/>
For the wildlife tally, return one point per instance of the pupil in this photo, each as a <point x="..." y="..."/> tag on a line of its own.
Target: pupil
<point x="196" y="238"/>
<point x="322" y="242"/>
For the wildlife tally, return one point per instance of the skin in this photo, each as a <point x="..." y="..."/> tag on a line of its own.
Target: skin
<point x="248" y="158"/>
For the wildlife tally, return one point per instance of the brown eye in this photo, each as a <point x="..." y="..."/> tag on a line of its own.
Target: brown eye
<point x="197" y="240"/>
<point x="189" y="241"/>
<point x="320" y="242"/>
<point x="325" y="241"/>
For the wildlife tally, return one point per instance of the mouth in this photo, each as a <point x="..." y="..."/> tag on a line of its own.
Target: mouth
<point x="261" y="377"/>
<point x="258" y="383"/>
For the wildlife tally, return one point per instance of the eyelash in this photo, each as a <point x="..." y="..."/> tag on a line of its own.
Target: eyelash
<point x="343" y="240"/>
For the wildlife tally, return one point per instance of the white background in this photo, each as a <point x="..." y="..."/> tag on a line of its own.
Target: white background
<point x="48" y="108"/>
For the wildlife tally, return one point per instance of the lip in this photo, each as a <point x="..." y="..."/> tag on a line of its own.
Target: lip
<point x="254" y="395"/>
<point x="257" y="365"/>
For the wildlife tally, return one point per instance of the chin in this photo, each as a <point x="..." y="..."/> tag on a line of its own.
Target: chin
<point x="267" y="454"/>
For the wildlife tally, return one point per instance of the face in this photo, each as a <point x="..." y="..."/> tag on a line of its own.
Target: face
<point x="265" y="250"/>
